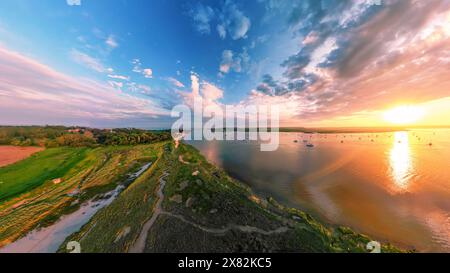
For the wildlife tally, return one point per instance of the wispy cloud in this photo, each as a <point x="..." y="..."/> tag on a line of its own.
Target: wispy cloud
<point x="119" y="77"/>
<point x="111" y="42"/>
<point x="88" y="61"/>
<point x="175" y="82"/>
<point x="41" y="95"/>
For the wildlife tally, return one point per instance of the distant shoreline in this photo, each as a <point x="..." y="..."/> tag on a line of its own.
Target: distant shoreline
<point x="306" y="130"/>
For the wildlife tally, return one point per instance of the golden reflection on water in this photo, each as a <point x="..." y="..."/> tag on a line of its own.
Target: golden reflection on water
<point x="400" y="160"/>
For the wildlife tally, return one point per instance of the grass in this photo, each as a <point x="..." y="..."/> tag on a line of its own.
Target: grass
<point x="85" y="173"/>
<point x="26" y="175"/>
<point x="128" y="212"/>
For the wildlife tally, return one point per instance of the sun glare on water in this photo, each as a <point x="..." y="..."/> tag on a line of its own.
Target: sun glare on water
<point x="404" y="114"/>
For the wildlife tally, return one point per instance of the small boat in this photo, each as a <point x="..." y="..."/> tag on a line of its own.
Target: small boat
<point x="295" y="141"/>
<point x="310" y="145"/>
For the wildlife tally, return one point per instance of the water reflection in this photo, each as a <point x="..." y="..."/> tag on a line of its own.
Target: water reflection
<point x="395" y="188"/>
<point x="400" y="160"/>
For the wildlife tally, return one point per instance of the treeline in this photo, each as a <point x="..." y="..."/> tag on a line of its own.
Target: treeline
<point x="58" y="136"/>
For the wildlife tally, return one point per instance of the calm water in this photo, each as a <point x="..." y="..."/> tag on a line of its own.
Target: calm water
<point x="391" y="186"/>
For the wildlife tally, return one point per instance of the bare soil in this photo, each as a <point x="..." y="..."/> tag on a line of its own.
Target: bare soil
<point x="13" y="154"/>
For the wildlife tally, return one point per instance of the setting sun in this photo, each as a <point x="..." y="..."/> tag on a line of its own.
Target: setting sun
<point x="404" y="114"/>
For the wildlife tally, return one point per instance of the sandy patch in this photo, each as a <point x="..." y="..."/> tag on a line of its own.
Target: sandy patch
<point x="13" y="154"/>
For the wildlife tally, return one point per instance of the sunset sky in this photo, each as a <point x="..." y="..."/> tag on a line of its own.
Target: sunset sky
<point x="126" y="63"/>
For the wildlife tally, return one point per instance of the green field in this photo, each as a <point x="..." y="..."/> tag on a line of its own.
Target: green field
<point x="30" y="199"/>
<point x="37" y="169"/>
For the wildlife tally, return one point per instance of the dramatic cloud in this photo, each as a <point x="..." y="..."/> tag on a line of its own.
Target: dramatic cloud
<point x="32" y="93"/>
<point x="357" y="56"/>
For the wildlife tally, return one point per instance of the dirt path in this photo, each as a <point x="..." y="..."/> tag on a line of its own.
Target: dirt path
<point x="139" y="244"/>
<point x="246" y="229"/>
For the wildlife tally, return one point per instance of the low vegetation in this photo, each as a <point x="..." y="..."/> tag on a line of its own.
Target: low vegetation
<point x="205" y="210"/>
<point x="37" y="191"/>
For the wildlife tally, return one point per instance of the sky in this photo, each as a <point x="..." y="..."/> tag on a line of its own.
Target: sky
<point x="127" y="63"/>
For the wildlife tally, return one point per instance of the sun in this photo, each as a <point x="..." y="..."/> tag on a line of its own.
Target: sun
<point x="407" y="114"/>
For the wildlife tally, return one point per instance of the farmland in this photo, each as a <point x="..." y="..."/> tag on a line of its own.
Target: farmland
<point x="30" y="198"/>
<point x="12" y="154"/>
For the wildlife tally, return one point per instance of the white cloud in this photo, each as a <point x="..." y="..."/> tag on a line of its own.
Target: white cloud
<point x="222" y="31"/>
<point x="195" y="85"/>
<point x="233" y="62"/>
<point x="234" y="21"/>
<point x="210" y="93"/>
<point x="230" y="20"/>
<point x="137" y="68"/>
<point x="119" y="77"/>
<point x="148" y="73"/>
<point x="320" y="54"/>
<point x="202" y="15"/>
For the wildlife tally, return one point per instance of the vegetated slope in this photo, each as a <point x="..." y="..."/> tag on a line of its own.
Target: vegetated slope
<point x="32" y="197"/>
<point x="202" y="209"/>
